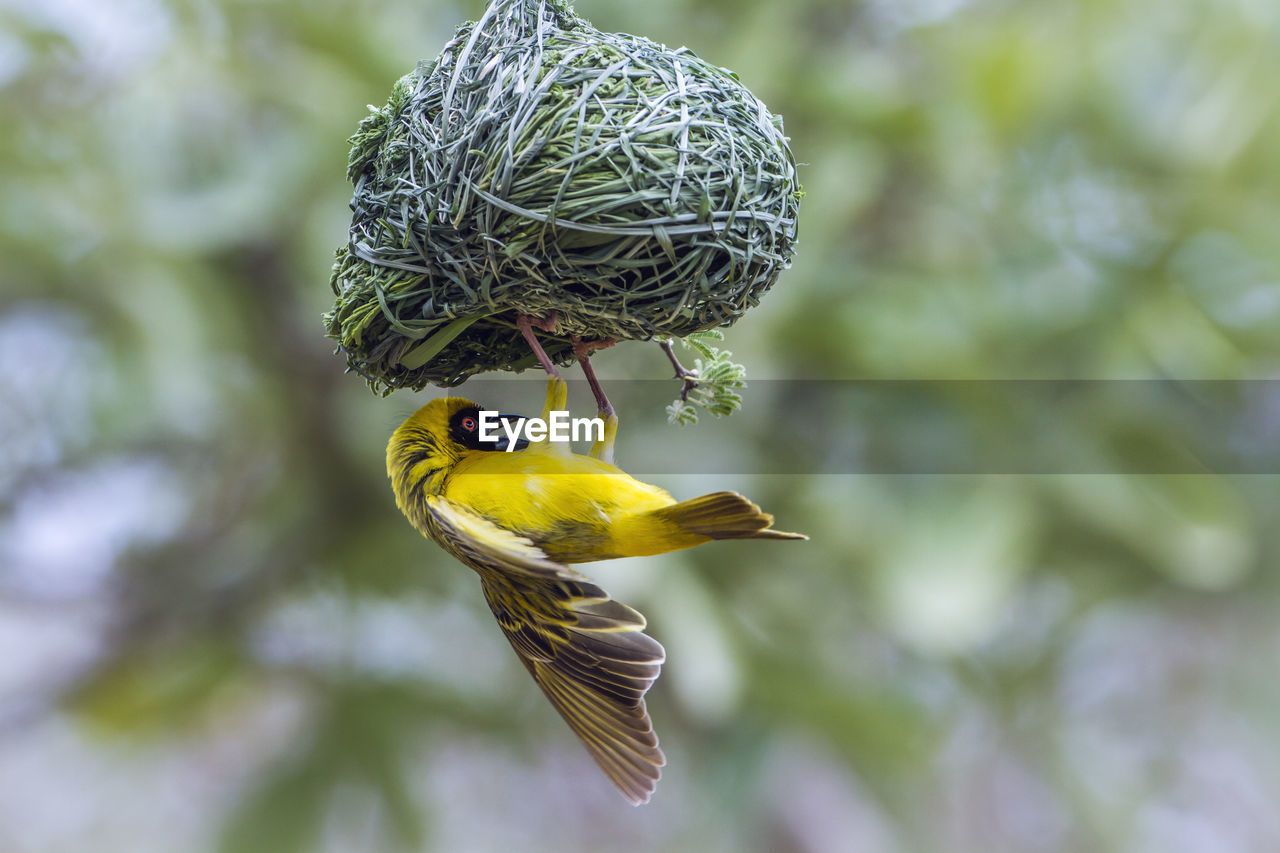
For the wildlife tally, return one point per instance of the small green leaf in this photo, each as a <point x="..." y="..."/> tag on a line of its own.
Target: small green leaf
<point x="714" y="378"/>
<point x="681" y="413"/>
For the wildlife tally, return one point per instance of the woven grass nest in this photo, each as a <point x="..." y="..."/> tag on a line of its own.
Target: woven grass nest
<point x="541" y="165"/>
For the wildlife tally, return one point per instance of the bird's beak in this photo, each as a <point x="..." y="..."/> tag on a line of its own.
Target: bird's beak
<point x="504" y="441"/>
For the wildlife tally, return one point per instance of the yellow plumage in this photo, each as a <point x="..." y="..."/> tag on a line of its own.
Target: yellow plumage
<point x="518" y="519"/>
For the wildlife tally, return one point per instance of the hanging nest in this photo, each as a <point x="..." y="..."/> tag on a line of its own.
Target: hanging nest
<point x="541" y="165"/>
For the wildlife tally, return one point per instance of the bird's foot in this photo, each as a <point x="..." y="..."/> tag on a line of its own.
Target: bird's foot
<point x="582" y="348"/>
<point x="546" y="324"/>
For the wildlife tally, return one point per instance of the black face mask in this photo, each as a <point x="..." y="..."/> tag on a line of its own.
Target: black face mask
<point x="464" y="428"/>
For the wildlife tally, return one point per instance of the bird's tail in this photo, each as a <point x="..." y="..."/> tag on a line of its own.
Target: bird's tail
<point x="723" y="515"/>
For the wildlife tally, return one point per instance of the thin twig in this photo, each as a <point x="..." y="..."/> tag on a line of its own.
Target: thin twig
<point x="690" y="377"/>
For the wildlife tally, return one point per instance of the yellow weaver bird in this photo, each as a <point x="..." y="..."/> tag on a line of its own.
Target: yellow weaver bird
<point x="519" y="518"/>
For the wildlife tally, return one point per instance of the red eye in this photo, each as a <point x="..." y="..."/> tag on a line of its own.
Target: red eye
<point x="469" y="424"/>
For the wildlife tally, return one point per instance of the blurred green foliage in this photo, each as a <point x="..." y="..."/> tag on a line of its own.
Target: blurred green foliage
<point x="221" y="634"/>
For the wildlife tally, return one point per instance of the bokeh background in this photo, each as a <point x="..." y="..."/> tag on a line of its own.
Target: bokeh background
<point x="218" y="634"/>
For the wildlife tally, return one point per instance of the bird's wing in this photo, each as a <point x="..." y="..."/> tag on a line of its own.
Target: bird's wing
<point x="481" y="544"/>
<point x="586" y="651"/>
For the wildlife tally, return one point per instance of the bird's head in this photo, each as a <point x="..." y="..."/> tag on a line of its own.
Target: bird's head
<point x="426" y="447"/>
